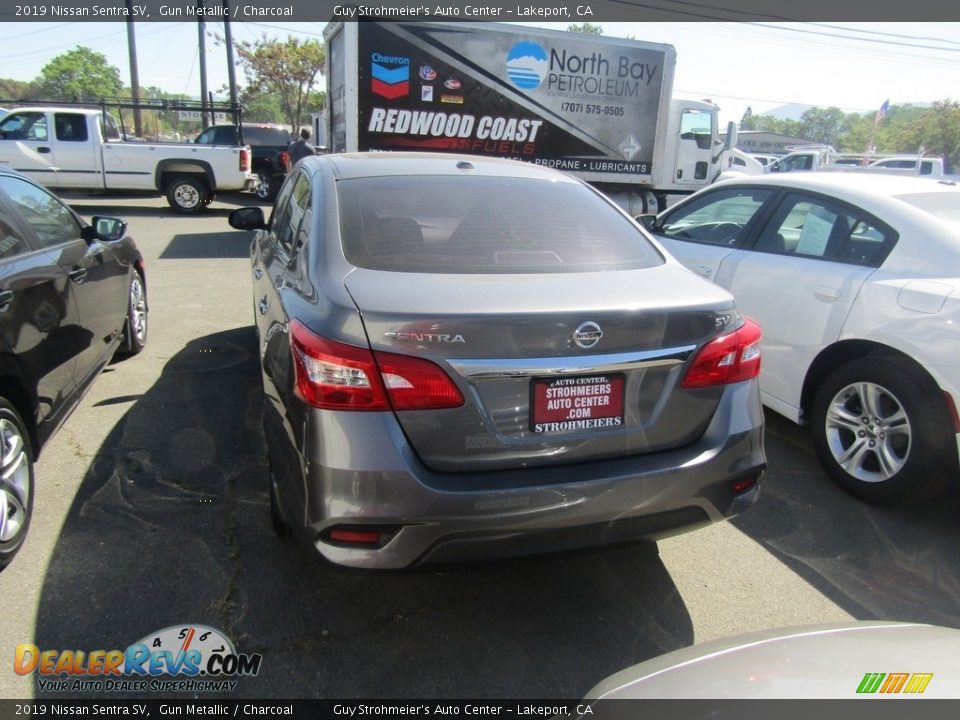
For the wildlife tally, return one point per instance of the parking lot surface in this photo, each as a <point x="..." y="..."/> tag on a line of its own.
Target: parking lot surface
<point x="152" y="511"/>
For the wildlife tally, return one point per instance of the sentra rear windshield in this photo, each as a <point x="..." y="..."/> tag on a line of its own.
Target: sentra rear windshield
<point x="444" y="224"/>
<point x="945" y="205"/>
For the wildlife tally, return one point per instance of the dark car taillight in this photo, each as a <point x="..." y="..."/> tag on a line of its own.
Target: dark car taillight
<point x="727" y="359"/>
<point x="244" y="159"/>
<point x="335" y="376"/>
<point x="285" y="160"/>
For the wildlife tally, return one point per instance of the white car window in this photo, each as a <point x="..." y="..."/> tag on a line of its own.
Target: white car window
<point x="817" y="228"/>
<point x="717" y="218"/>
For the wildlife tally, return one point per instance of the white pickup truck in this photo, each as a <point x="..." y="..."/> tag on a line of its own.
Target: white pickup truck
<point x="822" y="159"/>
<point x="75" y="148"/>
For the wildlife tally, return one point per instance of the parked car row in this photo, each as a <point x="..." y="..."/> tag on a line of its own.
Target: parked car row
<point x="72" y="295"/>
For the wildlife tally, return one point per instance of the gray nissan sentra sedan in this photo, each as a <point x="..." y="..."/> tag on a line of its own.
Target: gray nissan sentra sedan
<point x="467" y="358"/>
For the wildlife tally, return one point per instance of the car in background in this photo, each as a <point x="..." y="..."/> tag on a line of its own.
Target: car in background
<point x="855" y="279"/>
<point x="470" y="358"/>
<point x="828" y="661"/>
<point x="911" y="164"/>
<point x="268" y="143"/>
<point x="72" y="295"/>
<point x="764" y="159"/>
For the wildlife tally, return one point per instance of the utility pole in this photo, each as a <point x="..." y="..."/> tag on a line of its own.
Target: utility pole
<point x="134" y="73"/>
<point x="202" y="45"/>
<point x="231" y="68"/>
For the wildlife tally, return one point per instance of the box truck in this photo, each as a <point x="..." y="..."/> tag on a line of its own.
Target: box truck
<point x="600" y="108"/>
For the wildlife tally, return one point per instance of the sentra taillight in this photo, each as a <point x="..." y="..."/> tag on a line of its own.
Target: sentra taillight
<point x="285" y="161"/>
<point x="416" y="384"/>
<point x="244" y="159"/>
<point x="335" y="376"/>
<point x="727" y="359"/>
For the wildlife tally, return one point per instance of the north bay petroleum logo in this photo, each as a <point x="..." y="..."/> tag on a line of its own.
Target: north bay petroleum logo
<point x="527" y="65"/>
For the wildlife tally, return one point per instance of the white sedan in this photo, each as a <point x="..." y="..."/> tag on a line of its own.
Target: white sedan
<point x="855" y="279"/>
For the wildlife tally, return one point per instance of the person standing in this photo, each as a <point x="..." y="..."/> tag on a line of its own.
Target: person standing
<point x="301" y="148"/>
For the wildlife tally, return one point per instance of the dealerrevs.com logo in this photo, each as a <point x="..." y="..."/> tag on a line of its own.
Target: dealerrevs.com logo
<point x="894" y="683"/>
<point x="180" y="658"/>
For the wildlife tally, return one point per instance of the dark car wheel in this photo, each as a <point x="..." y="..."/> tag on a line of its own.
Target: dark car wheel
<point x="187" y="194"/>
<point x="265" y="189"/>
<point x="883" y="432"/>
<point x="16" y="483"/>
<point x="135" y="330"/>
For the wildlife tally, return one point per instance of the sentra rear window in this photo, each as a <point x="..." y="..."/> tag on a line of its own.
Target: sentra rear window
<point x="944" y="205"/>
<point x="444" y="224"/>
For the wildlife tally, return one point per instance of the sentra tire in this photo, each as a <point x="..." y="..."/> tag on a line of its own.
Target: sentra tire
<point x="135" y="330"/>
<point x="187" y="194"/>
<point x="883" y="432"/>
<point x="280" y="527"/>
<point x="16" y="483"/>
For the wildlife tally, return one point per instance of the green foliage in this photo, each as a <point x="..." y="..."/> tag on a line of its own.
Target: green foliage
<point x="285" y="71"/>
<point x="905" y="129"/>
<point x="586" y="28"/>
<point x="80" y="74"/>
<point x="15" y="89"/>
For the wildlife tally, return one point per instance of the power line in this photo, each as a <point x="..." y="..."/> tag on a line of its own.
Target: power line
<point x="884" y="34"/>
<point x="848" y="37"/>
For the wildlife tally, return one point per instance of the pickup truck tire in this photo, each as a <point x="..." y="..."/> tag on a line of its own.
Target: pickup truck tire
<point x="16" y="485"/>
<point x="267" y="189"/>
<point x="188" y="194"/>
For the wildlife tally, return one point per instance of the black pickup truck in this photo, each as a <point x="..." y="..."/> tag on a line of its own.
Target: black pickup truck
<point x="271" y="160"/>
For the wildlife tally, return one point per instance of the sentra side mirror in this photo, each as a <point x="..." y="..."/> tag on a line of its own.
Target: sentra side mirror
<point x="108" y="229"/>
<point x="247" y="218"/>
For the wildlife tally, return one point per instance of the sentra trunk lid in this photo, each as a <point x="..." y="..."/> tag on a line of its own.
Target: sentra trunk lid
<point x="550" y="371"/>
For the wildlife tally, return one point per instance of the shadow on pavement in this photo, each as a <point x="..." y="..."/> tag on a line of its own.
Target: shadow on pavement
<point x="170" y="526"/>
<point x="199" y="246"/>
<point x="896" y="563"/>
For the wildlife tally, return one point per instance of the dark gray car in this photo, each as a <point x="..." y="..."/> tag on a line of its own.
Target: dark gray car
<point x="468" y="358"/>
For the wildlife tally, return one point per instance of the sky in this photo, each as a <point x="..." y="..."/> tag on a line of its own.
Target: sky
<point x="853" y="66"/>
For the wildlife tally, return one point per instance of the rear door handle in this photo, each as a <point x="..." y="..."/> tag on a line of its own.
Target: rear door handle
<point x="78" y="275"/>
<point x="43" y="150"/>
<point x="257" y="273"/>
<point x="264" y="305"/>
<point x="6" y="297"/>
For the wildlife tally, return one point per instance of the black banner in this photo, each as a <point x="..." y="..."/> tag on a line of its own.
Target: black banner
<point x="877" y="709"/>
<point x="577" y="11"/>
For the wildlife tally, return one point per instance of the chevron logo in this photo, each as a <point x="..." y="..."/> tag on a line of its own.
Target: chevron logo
<point x="390" y="82"/>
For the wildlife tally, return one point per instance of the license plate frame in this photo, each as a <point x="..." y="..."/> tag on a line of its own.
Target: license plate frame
<point x="579" y="403"/>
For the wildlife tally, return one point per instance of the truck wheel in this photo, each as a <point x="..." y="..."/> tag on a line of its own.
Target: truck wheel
<point x="16" y="483"/>
<point x="883" y="432"/>
<point x="265" y="190"/>
<point x="187" y="194"/>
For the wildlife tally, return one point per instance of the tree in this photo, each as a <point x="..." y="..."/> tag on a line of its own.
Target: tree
<point x="285" y="70"/>
<point x="15" y="89"/>
<point x="940" y="131"/>
<point x="823" y="125"/>
<point x="80" y="74"/>
<point x="748" y="122"/>
<point x="586" y="28"/>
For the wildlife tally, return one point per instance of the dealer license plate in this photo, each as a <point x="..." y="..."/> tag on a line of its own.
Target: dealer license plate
<point x="576" y="404"/>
